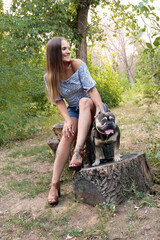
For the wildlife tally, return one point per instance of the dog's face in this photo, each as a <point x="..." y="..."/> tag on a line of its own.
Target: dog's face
<point x="105" y="122"/>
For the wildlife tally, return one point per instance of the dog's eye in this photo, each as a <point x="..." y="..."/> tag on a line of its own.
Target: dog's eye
<point x="105" y="118"/>
<point x="111" y="118"/>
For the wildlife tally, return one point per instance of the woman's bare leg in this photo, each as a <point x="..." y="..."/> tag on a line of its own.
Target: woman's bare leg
<point x="84" y="123"/>
<point x="62" y="154"/>
<point x="86" y="108"/>
<point x="61" y="159"/>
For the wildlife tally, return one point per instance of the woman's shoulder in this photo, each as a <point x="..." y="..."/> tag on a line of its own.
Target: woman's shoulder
<point x="76" y="63"/>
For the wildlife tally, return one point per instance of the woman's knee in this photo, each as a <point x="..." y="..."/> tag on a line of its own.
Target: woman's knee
<point x="67" y="141"/>
<point x="85" y="103"/>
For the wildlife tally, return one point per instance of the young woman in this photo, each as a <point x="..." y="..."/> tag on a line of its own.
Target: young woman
<point x="70" y="80"/>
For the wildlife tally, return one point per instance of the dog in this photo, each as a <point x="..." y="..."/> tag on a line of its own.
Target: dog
<point x="105" y="131"/>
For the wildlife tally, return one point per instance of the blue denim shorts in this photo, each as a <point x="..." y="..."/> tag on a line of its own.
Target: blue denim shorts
<point x="74" y="111"/>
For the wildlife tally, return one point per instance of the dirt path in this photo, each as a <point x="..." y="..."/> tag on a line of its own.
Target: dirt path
<point x="26" y="169"/>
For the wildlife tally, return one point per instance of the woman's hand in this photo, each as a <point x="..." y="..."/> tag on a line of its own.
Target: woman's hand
<point x="68" y="129"/>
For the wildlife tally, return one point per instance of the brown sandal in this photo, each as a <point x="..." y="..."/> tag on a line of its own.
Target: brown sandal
<point x="53" y="196"/>
<point x="77" y="165"/>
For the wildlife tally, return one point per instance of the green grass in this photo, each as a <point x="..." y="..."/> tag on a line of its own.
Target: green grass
<point x="32" y="151"/>
<point x="39" y="153"/>
<point x="148" y="119"/>
<point x="29" y="187"/>
<point x="28" y="182"/>
<point x="48" y="226"/>
<point x="15" y="168"/>
<point x="43" y="157"/>
<point x="76" y="232"/>
<point x="3" y="192"/>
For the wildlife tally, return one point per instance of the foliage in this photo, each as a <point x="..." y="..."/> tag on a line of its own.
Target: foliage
<point x="124" y="81"/>
<point x="127" y="16"/>
<point x="124" y="16"/>
<point x="24" y="31"/>
<point x="148" y="11"/>
<point x="43" y="20"/>
<point x="148" y="75"/>
<point x="18" y="123"/>
<point x="107" y="82"/>
<point x="22" y="95"/>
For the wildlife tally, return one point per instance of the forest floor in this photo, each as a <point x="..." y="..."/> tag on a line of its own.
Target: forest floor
<point x="26" y="170"/>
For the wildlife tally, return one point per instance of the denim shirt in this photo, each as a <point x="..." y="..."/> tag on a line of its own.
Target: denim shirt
<point x="75" y="87"/>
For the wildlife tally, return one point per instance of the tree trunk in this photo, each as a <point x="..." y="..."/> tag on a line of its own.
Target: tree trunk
<point x="113" y="182"/>
<point x="82" y="21"/>
<point x="131" y="79"/>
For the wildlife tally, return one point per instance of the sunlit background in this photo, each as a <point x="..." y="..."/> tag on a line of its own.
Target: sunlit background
<point x="7" y="4"/>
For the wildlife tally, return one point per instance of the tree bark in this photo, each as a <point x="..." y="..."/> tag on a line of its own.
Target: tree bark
<point x="82" y="21"/>
<point x="131" y="79"/>
<point x="53" y="143"/>
<point x="113" y="182"/>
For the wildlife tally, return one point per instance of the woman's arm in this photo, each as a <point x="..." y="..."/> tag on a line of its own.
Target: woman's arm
<point x="68" y="125"/>
<point x="94" y="95"/>
<point x="63" y="110"/>
<point x="88" y="83"/>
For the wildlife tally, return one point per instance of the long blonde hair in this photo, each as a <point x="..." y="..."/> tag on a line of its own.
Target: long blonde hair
<point x="54" y="67"/>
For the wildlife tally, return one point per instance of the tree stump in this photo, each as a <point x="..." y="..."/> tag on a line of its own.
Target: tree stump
<point x="110" y="181"/>
<point x="113" y="182"/>
<point x="53" y="143"/>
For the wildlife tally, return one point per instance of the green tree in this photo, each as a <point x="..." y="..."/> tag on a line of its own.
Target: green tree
<point x="21" y="75"/>
<point x="148" y="75"/>
<point x="41" y="20"/>
<point x="25" y="31"/>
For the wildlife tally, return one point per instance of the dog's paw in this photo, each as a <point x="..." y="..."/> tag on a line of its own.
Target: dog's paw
<point x="96" y="163"/>
<point x="117" y="158"/>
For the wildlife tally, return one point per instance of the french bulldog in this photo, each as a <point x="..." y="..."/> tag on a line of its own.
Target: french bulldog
<point x="105" y="131"/>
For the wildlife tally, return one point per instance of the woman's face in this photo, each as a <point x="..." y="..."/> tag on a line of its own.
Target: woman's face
<point x="65" y="51"/>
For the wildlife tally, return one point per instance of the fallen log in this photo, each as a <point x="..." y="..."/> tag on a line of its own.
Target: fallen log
<point x="113" y="182"/>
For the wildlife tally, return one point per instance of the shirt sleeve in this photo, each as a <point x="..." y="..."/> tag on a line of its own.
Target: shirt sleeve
<point x="59" y="97"/>
<point x="87" y="81"/>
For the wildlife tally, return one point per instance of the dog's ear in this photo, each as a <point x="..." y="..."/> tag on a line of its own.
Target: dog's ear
<point x="98" y="110"/>
<point x="107" y="108"/>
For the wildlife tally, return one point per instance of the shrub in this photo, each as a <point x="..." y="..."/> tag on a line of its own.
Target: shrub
<point x="13" y="125"/>
<point x="148" y="75"/>
<point x="124" y="81"/>
<point x="107" y="82"/>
